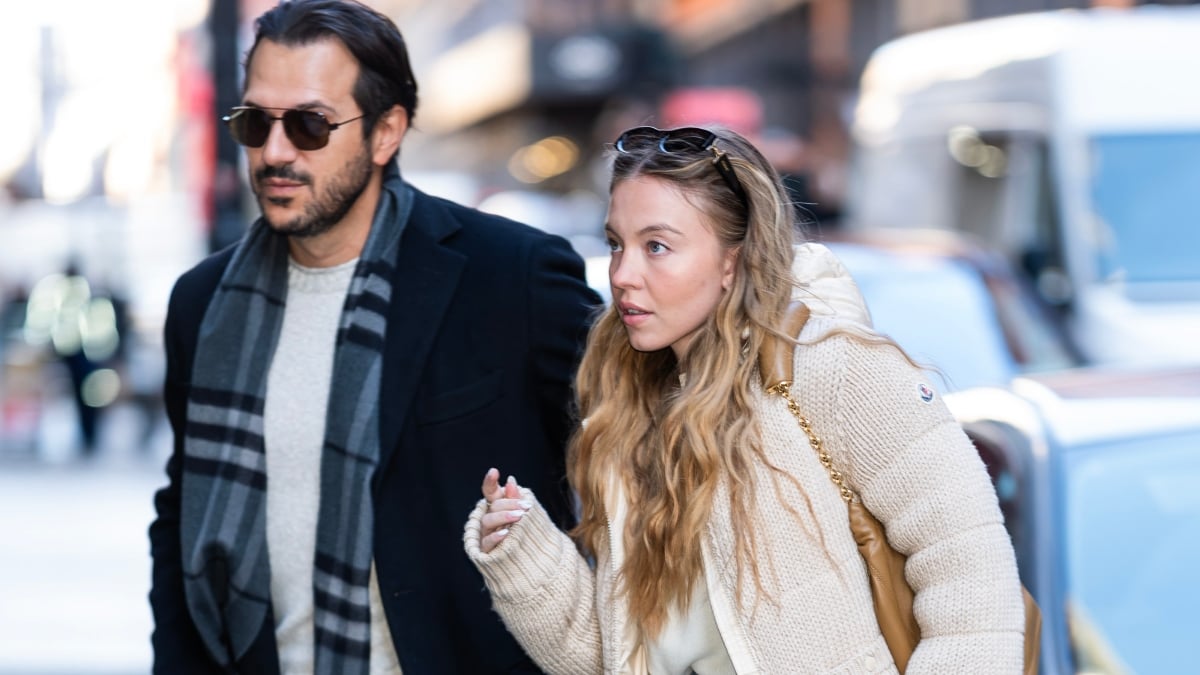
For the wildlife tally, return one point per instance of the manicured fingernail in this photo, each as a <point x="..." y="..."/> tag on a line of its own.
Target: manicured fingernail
<point x="500" y="534"/>
<point x="511" y="479"/>
<point x="516" y="515"/>
<point x="525" y="504"/>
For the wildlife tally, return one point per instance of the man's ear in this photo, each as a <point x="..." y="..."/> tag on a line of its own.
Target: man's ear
<point x="388" y="133"/>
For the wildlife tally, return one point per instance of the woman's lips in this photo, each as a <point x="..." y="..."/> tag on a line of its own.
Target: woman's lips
<point x="633" y="315"/>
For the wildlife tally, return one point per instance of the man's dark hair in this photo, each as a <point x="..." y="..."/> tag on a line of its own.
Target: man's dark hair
<point x="385" y="75"/>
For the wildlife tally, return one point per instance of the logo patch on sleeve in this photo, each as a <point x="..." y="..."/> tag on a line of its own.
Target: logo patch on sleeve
<point x="925" y="391"/>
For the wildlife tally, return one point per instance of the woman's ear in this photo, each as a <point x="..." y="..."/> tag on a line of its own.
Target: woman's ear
<point x="388" y="133"/>
<point x="728" y="267"/>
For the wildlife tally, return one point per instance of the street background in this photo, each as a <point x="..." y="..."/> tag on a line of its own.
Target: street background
<point x="116" y="177"/>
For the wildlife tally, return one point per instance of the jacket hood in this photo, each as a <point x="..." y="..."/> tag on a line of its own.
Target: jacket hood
<point x="825" y="285"/>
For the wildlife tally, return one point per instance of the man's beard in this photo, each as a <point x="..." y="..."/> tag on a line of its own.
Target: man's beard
<point x="327" y="208"/>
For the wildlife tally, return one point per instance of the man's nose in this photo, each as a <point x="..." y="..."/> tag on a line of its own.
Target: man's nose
<point x="278" y="149"/>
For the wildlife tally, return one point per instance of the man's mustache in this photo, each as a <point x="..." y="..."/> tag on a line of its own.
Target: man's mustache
<point x="286" y="172"/>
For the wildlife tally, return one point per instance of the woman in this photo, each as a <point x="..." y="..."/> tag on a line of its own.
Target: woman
<point x="719" y="543"/>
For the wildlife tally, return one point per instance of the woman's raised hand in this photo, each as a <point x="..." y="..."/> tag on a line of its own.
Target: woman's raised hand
<point x="505" y="507"/>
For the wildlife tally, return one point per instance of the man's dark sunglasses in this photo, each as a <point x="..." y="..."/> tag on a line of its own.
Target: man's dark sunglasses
<point x="683" y="140"/>
<point x="306" y="129"/>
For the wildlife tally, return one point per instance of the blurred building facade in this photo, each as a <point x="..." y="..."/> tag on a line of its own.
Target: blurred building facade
<point x="507" y="77"/>
<point x="523" y="95"/>
<point x="117" y="158"/>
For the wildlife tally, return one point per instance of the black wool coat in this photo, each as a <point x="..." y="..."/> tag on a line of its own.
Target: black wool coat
<point x="485" y="328"/>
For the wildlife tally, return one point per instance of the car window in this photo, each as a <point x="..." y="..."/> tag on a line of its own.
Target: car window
<point x="938" y="310"/>
<point x="1131" y="514"/>
<point x="1036" y="341"/>
<point x="1144" y="189"/>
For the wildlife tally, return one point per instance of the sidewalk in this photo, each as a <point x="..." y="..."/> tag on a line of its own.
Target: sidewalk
<point x="74" y="553"/>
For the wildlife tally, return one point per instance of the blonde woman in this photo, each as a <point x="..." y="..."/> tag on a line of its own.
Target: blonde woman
<point x="711" y="540"/>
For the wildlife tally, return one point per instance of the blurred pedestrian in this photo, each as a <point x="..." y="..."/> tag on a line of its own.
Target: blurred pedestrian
<point x="329" y="376"/>
<point x="720" y="543"/>
<point x="84" y="324"/>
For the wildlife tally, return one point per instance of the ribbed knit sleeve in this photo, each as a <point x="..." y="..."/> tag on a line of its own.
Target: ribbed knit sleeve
<point x="543" y="589"/>
<point x="919" y="474"/>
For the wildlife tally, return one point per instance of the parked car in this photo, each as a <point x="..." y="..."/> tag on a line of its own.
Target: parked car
<point x="955" y="305"/>
<point x="1097" y="471"/>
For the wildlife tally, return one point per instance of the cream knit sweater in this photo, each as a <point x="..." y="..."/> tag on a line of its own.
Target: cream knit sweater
<point x="914" y="469"/>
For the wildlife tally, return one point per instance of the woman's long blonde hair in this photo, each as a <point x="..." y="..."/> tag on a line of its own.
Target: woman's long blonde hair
<point x="668" y="441"/>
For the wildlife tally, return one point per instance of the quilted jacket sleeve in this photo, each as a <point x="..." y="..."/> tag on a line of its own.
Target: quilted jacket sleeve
<point x="919" y="474"/>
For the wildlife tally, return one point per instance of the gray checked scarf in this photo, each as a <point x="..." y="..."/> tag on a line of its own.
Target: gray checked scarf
<point x="223" y="519"/>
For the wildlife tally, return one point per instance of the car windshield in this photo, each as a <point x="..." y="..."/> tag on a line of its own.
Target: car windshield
<point x="937" y="309"/>
<point x="1145" y="190"/>
<point x="1132" y="523"/>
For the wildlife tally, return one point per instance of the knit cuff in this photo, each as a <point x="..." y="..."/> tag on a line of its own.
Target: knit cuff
<point x="527" y="559"/>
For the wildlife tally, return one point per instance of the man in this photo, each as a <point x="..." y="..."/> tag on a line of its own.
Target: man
<point x="338" y="379"/>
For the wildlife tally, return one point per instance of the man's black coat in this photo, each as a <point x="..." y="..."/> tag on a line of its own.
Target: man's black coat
<point x="485" y="328"/>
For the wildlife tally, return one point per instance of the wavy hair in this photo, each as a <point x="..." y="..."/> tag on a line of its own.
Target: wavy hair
<point x="670" y="439"/>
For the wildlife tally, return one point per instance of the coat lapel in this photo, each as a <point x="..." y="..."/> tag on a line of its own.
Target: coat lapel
<point x="425" y="280"/>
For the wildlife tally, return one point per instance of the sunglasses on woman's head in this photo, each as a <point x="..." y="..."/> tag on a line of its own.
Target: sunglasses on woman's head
<point x="306" y="129"/>
<point x="680" y="141"/>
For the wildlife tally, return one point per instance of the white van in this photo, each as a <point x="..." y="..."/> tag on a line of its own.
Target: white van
<point x="1070" y="140"/>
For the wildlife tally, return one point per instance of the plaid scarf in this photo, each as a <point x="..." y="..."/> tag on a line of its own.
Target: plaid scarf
<point x="223" y="518"/>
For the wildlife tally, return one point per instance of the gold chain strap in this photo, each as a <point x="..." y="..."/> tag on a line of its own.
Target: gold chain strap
<point x="784" y="389"/>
